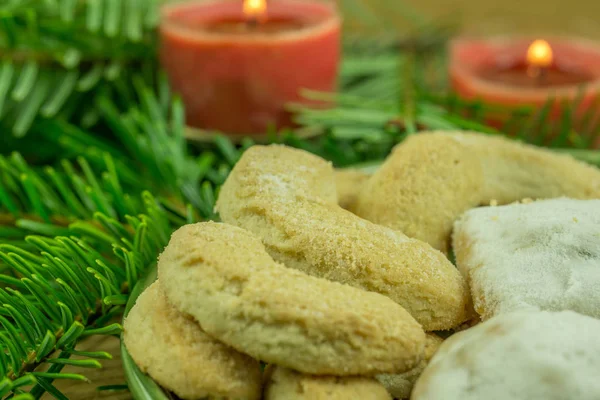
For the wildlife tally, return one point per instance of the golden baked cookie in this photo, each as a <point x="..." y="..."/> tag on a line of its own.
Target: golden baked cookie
<point x="349" y="182"/>
<point x="400" y="385"/>
<point x="535" y="355"/>
<point x="285" y="384"/>
<point x="432" y="178"/>
<point x="287" y="198"/>
<point x="541" y="255"/>
<point x="224" y="278"/>
<point x="181" y="357"/>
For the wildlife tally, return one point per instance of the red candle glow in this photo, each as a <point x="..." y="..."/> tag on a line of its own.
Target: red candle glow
<point x="524" y="72"/>
<point x="237" y="65"/>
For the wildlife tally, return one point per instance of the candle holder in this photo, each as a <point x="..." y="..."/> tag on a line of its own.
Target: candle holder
<point x="237" y="70"/>
<point x="503" y="71"/>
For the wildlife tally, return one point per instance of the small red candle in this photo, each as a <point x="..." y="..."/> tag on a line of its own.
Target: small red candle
<point x="524" y="72"/>
<point x="237" y="65"/>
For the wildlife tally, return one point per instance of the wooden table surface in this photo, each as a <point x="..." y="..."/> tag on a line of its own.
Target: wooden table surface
<point x="574" y="17"/>
<point x="110" y="374"/>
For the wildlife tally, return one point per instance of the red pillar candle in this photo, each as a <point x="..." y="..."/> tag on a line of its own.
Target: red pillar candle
<point x="514" y="72"/>
<point x="236" y="70"/>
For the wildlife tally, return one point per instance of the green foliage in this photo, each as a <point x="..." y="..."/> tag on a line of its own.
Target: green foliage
<point x="73" y="246"/>
<point x="391" y="85"/>
<point x="95" y="130"/>
<point x="58" y="54"/>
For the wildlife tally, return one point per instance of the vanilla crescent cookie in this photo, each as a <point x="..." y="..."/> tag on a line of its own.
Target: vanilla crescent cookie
<point x="518" y="356"/>
<point x="288" y="198"/>
<point x="431" y="178"/>
<point x="285" y="384"/>
<point x="224" y="278"/>
<point x="348" y="183"/>
<point x="181" y="357"/>
<point x="540" y="255"/>
<point x="400" y="385"/>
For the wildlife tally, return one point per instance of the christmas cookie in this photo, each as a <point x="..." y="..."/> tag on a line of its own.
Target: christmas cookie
<point x="285" y="384"/>
<point x="542" y="255"/>
<point x="518" y="356"/>
<point x="432" y="178"/>
<point x="224" y="278"/>
<point x="177" y="354"/>
<point x="348" y="183"/>
<point x="400" y="385"/>
<point x="287" y="197"/>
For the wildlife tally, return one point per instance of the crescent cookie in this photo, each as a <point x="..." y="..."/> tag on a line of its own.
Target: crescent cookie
<point x="430" y="179"/>
<point x="348" y="182"/>
<point x="287" y="198"/>
<point x="518" y="356"/>
<point x="400" y="385"/>
<point x="224" y="278"/>
<point x="543" y="255"/>
<point x="176" y="353"/>
<point x="285" y="384"/>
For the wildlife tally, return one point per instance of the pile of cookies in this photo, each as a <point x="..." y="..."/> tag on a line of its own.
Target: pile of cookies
<point x="339" y="281"/>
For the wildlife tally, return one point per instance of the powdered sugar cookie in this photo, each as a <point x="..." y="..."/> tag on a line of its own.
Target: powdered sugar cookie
<point x="540" y="255"/>
<point x="517" y="356"/>
<point x="224" y="278"/>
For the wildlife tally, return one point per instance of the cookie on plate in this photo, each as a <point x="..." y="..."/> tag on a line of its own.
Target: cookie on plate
<point x="542" y="255"/>
<point x="181" y="357"/>
<point x="400" y="385"/>
<point x="285" y="384"/>
<point x="431" y="178"/>
<point x="287" y="198"/>
<point x="537" y="355"/>
<point x="223" y="277"/>
<point x="349" y="183"/>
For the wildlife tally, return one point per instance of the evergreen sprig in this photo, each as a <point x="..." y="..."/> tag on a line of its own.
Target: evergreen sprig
<point x="57" y="54"/>
<point x="67" y="287"/>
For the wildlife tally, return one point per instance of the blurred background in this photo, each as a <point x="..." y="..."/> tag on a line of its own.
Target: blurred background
<point x="577" y="17"/>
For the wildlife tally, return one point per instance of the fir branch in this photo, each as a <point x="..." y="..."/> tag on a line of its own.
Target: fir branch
<point x="58" y="288"/>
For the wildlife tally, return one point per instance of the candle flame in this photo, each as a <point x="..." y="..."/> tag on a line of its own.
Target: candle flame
<point x="254" y="9"/>
<point x="539" y="54"/>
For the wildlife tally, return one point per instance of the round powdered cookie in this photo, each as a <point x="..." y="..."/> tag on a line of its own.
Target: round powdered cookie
<point x="400" y="385"/>
<point x="285" y="384"/>
<point x="432" y="178"/>
<point x="287" y="198"/>
<point x="223" y="276"/>
<point x="517" y="356"/>
<point x="176" y="353"/>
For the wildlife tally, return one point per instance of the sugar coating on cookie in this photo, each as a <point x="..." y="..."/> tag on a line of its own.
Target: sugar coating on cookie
<point x="224" y="278"/>
<point x="181" y="357"/>
<point x="422" y="187"/>
<point x="541" y="255"/>
<point x="287" y="198"/>
<point x="536" y="355"/>
<point x="431" y="178"/>
<point x="349" y="182"/>
<point x="285" y="384"/>
<point x="400" y="385"/>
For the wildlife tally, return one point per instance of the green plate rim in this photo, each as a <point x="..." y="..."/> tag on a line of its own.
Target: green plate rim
<point x="141" y="386"/>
